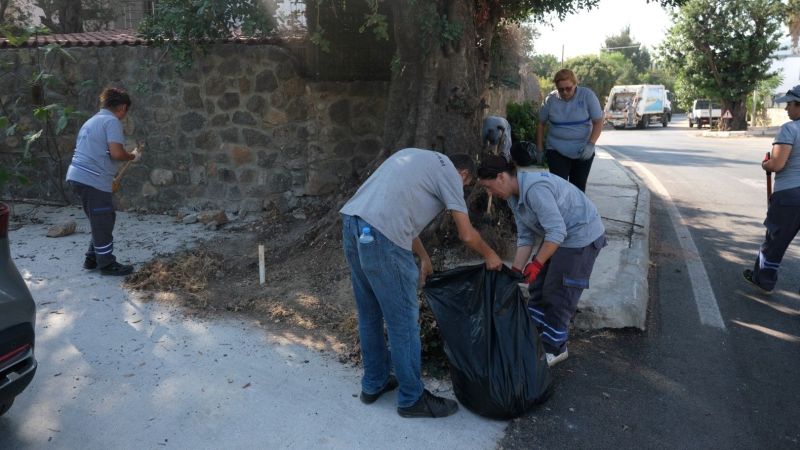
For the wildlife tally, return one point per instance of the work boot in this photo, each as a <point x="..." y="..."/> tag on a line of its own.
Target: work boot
<point x="429" y="405"/>
<point x="90" y="263"/>
<point x="748" y="275"/>
<point x="391" y="384"/>
<point x="117" y="269"/>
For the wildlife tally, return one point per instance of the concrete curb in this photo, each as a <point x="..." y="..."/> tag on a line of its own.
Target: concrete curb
<point x="619" y="292"/>
<point x="753" y="132"/>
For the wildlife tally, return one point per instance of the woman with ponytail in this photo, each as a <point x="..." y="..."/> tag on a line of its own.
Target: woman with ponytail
<point x="572" y="233"/>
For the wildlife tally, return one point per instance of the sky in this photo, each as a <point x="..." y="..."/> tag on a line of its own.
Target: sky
<point x="585" y="32"/>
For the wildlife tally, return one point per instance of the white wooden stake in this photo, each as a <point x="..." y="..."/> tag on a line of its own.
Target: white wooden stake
<point x="262" y="275"/>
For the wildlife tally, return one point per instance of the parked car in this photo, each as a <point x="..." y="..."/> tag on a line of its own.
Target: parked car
<point x="17" y="320"/>
<point x="704" y="112"/>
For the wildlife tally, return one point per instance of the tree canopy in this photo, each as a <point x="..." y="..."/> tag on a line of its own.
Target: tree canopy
<point x="624" y="44"/>
<point x="723" y="48"/>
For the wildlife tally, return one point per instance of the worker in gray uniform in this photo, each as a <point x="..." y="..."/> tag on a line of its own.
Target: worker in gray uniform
<point x="497" y="131"/>
<point x="91" y="174"/>
<point x="381" y="224"/>
<point x="547" y="205"/>
<point x="783" y="215"/>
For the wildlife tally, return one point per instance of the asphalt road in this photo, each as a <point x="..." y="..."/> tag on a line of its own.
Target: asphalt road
<point x="719" y="365"/>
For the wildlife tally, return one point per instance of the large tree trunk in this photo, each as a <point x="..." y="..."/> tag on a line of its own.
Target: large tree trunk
<point x="3" y="6"/>
<point x="435" y="98"/>
<point x="738" y="110"/>
<point x="69" y="16"/>
<point x="62" y="16"/>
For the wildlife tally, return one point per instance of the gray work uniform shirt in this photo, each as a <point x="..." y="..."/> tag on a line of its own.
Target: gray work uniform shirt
<point x="552" y="207"/>
<point x="789" y="177"/>
<point x="92" y="164"/>
<point x="491" y="132"/>
<point x="570" y="121"/>
<point x="406" y="193"/>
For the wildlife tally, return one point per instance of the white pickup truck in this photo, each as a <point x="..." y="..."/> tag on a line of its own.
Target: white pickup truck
<point x="704" y="112"/>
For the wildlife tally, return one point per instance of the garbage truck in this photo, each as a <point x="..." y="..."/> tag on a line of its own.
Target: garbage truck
<point x="638" y="105"/>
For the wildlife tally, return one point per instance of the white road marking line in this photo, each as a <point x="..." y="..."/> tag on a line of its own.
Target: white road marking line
<point x="704" y="297"/>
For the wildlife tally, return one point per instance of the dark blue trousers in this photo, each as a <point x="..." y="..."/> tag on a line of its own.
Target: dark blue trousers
<point x="573" y="170"/>
<point x="555" y="293"/>
<point x="782" y="223"/>
<point x="99" y="209"/>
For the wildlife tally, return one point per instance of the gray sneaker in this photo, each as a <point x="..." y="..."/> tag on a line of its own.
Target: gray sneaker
<point x="429" y="405"/>
<point x="553" y="359"/>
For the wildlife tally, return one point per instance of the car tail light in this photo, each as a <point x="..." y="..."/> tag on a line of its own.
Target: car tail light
<point x="3" y="221"/>
<point x="13" y="354"/>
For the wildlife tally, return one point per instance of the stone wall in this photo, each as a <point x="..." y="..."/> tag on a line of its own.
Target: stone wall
<point x="242" y="130"/>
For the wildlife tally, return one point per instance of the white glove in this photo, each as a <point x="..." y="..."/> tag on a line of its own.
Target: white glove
<point x="137" y="155"/>
<point x="587" y="152"/>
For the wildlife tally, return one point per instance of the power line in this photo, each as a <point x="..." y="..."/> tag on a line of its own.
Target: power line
<point x="617" y="48"/>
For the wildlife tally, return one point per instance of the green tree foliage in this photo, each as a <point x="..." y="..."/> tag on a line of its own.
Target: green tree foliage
<point x="186" y="26"/>
<point x="523" y="118"/>
<point x="757" y="104"/>
<point x="544" y="65"/>
<point x="35" y="120"/>
<point x="520" y="10"/>
<point x="633" y="51"/>
<point x="594" y="72"/>
<point x="722" y="48"/>
<point x="624" y="69"/>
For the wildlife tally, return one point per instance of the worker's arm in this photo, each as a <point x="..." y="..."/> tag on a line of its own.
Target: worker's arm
<point x="545" y="252"/>
<point x="425" y="265"/>
<point x="540" y="136"/>
<point x="472" y="239"/>
<point x="597" y="128"/>
<point x="117" y="151"/>
<point x="522" y="256"/>
<point x="776" y="162"/>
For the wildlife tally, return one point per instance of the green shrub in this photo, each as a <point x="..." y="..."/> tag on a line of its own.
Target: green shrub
<point x="523" y="118"/>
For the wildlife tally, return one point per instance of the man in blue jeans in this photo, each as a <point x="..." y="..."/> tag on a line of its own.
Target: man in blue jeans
<point x="404" y="194"/>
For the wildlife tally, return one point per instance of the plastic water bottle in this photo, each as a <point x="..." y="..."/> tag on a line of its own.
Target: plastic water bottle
<point x="366" y="236"/>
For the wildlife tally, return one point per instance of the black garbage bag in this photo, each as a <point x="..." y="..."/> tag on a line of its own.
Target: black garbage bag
<point x="497" y="363"/>
<point x="525" y="153"/>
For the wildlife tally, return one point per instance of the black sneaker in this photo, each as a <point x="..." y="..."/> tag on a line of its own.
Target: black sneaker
<point x="391" y="384"/>
<point x="90" y="263"/>
<point x="429" y="405"/>
<point x="748" y="275"/>
<point x="117" y="269"/>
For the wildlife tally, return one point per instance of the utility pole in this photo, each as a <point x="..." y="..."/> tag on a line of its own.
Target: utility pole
<point x="562" y="56"/>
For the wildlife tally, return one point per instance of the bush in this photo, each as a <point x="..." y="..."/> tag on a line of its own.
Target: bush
<point x="523" y="118"/>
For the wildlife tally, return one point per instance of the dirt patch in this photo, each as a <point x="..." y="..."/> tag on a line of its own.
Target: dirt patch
<point x="307" y="296"/>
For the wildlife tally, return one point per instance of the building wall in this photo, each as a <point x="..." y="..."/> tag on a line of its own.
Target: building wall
<point x="248" y="127"/>
<point x="244" y="130"/>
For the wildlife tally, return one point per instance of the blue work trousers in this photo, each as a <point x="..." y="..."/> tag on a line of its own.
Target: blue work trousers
<point x="554" y="294"/>
<point x="782" y="224"/>
<point x="99" y="209"/>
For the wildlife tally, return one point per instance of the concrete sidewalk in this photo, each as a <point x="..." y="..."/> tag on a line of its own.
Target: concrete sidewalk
<point x="117" y="371"/>
<point x="618" y="293"/>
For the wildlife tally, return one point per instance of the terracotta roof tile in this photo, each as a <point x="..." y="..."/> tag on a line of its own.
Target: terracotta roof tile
<point x="117" y="37"/>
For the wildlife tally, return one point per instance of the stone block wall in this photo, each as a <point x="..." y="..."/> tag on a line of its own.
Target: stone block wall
<point x="241" y="130"/>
